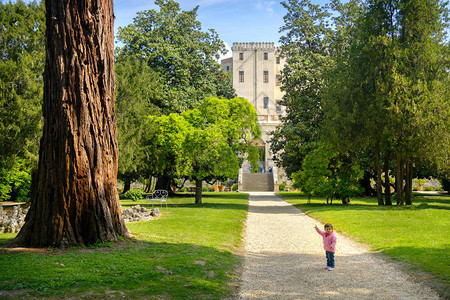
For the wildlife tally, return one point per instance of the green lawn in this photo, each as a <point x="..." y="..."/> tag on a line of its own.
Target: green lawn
<point x="418" y="234"/>
<point x="188" y="253"/>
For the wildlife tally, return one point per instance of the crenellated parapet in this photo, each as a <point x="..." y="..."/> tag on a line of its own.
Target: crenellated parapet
<point x="267" y="46"/>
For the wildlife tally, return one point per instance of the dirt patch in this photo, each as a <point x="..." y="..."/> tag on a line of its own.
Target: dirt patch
<point x="122" y="245"/>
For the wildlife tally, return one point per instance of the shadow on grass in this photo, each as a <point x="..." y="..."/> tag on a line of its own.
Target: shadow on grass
<point x="127" y="270"/>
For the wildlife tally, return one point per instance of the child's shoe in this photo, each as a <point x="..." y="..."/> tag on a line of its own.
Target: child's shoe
<point x="326" y="267"/>
<point x="330" y="269"/>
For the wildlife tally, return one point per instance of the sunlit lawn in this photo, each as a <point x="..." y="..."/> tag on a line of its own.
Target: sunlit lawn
<point x="418" y="234"/>
<point x="188" y="253"/>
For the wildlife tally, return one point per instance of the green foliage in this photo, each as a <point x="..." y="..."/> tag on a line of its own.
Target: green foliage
<point x="420" y="181"/>
<point x="21" y="86"/>
<point x="328" y="173"/>
<point x="202" y="143"/>
<point x="16" y="183"/>
<point x="281" y="187"/>
<point x="304" y="46"/>
<point x="136" y="88"/>
<point x="445" y="182"/>
<point x="171" y="42"/>
<point x="134" y="194"/>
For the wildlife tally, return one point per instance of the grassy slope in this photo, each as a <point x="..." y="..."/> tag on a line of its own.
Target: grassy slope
<point x="187" y="253"/>
<point x="418" y="235"/>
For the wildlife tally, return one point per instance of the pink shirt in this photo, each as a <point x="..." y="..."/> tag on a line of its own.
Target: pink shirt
<point x="329" y="240"/>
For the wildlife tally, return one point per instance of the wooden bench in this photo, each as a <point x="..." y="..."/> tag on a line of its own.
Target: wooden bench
<point x="158" y="196"/>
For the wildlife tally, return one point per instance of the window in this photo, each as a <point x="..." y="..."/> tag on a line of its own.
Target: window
<point x="278" y="108"/>
<point x="266" y="76"/>
<point x="241" y="76"/>
<point x="241" y="56"/>
<point x="228" y="68"/>
<point x="278" y="60"/>
<point x="266" y="102"/>
<point x="277" y="80"/>
<point x="266" y="56"/>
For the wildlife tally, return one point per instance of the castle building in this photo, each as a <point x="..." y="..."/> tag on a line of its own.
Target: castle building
<point x="256" y="70"/>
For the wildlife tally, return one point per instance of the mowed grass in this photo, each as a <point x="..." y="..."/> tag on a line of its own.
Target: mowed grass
<point x="417" y="234"/>
<point x="188" y="253"/>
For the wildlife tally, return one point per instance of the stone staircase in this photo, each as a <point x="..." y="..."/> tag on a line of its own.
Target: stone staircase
<point x="257" y="182"/>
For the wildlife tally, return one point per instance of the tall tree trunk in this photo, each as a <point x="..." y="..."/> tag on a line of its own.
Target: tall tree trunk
<point x="399" y="177"/>
<point x="149" y="185"/>
<point x="387" y="182"/>
<point x="408" y="185"/>
<point x="75" y="200"/>
<point x="365" y="183"/>
<point x="198" y="191"/>
<point x="163" y="183"/>
<point x="379" y="181"/>
<point x="126" y="186"/>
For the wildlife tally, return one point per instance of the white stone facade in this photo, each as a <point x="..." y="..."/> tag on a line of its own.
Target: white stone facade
<point x="256" y="69"/>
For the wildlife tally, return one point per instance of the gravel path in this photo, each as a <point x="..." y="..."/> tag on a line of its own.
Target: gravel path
<point x="284" y="259"/>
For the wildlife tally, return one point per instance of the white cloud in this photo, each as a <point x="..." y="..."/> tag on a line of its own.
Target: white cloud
<point x="228" y="47"/>
<point x="265" y="5"/>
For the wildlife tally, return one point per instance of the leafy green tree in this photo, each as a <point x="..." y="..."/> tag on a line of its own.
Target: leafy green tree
<point x="355" y="82"/>
<point x="386" y="95"/>
<point x="184" y="57"/>
<point x="21" y="84"/>
<point x="181" y="69"/>
<point x="304" y="46"/>
<point x="202" y="143"/>
<point x="328" y="173"/>
<point x="136" y="87"/>
<point x="423" y="72"/>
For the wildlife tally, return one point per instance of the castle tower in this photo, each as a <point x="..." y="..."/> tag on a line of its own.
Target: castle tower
<point x="256" y="69"/>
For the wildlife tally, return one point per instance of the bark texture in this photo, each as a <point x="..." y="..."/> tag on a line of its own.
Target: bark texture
<point x="74" y="198"/>
<point x="198" y="191"/>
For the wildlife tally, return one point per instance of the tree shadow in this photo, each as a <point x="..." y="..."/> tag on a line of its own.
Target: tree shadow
<point x="128" y="269"/>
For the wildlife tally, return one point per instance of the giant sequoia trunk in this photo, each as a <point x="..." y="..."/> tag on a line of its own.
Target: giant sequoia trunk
<point x="75" y="200"/>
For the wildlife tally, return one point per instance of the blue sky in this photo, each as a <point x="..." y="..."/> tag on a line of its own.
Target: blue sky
<point x="234" y="20"/>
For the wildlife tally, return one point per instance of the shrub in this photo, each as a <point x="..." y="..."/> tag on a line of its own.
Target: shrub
<point x="429" y="188"/>
<point x="134" y="194"/>
<point x="282" y="187"/>
<point x="235" y="187"/>
<point x="445" y="182"/>
<point x="15" y="183"/>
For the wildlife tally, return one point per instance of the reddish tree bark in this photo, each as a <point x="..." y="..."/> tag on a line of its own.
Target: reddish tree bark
<point x="74" y="198"/>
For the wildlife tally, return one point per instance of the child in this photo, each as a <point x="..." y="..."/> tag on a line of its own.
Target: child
<point x="329" y="244"/>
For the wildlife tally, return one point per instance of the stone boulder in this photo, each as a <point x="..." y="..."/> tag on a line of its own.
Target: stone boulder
<point x="138" y="213"/>
<point x="11" y="221"/>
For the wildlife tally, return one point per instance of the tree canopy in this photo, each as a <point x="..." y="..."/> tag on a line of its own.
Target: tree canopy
<point x="184" y="57"/>
<point x="202" y="143"/>
<point x="371" y="78"/>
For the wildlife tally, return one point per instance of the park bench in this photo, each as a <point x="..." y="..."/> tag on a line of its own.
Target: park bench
<point x="158" y="196"/>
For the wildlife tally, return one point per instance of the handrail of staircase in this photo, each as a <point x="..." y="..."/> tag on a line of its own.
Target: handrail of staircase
<point x="240" y="186"/>
<point x="275" y="179"/>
